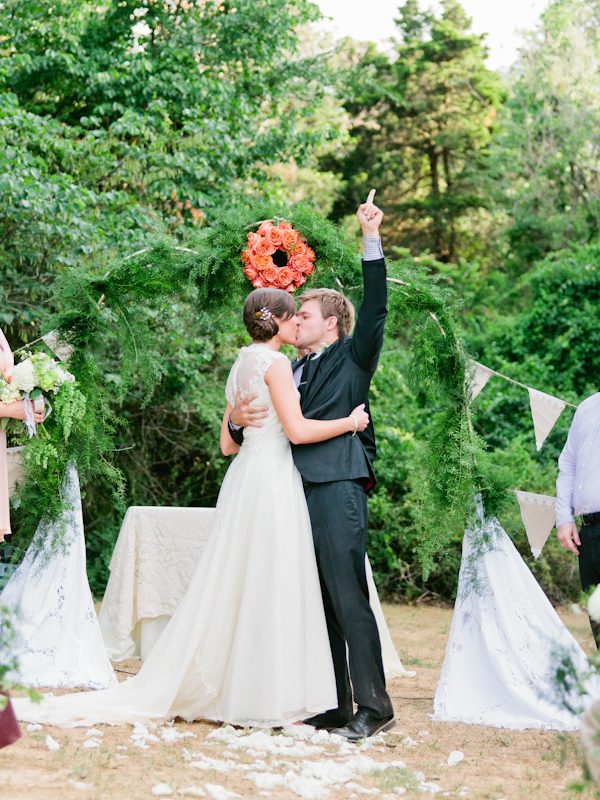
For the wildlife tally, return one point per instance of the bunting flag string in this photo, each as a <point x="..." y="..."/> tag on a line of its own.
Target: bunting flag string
<point x="545" y="409"/>
<point x="538" y="512"/>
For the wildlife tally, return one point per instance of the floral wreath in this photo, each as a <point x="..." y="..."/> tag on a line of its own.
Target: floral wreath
<point x="259" y="266"/>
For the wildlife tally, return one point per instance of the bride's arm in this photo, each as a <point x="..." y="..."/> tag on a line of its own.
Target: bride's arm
<point x="16" y="410"/>
<point x="228" y="446"/>
<point x="279" y="379"/>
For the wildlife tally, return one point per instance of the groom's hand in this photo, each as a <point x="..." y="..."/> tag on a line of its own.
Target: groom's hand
<point x="246" y="416"/>
<point x="568" y="536"/>
<point x="369" y="217"/>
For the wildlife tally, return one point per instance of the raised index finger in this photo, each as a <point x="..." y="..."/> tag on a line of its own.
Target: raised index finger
<point x="371" y="196"/>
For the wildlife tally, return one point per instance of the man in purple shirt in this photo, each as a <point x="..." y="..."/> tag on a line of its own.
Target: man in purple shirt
<point x="578" y="493"/>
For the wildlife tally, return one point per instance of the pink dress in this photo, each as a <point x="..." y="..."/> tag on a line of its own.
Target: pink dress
<point x="6" y="366"/>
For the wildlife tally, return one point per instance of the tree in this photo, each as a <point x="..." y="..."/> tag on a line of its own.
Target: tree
<point x="422" y="127"/>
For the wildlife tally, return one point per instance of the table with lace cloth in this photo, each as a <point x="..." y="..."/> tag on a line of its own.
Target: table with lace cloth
<point x="150" y="569"/>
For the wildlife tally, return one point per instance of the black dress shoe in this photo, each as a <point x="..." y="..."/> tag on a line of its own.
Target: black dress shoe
<point x="329" y="720"/>
<point x="364" y="724"/>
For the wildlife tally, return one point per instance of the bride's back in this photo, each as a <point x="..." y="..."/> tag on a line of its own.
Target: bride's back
<point x="248" y="375"/>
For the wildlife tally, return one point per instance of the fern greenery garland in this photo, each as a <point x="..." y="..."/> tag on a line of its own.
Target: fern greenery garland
<point x="109" y="317"/>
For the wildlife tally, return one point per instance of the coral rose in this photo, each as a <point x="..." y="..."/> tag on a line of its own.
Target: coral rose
<point x="290" y="238"/>
<point x="259" y="283"/>
<point x="264" y="228"/>
<point x="310" y="270"/>
<point x="298" y="277"/>
<point x="264" y="248"/>
<point x="262" y="262"/>
<point x="285" y="226"/>
<point x="301" y="263"/>
<point x="310" y="253"/>
<point x="285" y="277"/>
<point x="253" y="239"/>
<point x="300" y="249"/>
<point x="291" y="287"/>
<point x="269" y="275"/>
<point x="274" y="237"/>
<point x="251" y="273"/>
<point x="246" y="256"/>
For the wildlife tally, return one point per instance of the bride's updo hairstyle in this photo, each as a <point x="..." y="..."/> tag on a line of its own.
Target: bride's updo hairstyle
<point x="261" y="324"/>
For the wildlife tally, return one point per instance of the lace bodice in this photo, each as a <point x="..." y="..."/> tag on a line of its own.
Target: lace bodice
<point x="248" y="374"/>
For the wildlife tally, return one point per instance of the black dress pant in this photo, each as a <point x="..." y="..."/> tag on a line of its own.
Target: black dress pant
<point x="338" y="513"/>
<point x="589" y="565"/>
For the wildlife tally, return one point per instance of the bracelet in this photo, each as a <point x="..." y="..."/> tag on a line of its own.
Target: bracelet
<point x="355" y="423"/>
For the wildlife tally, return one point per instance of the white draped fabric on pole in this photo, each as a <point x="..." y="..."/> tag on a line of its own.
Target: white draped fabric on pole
<point x="60" y="643"/>
<point x="538" y="512"/>
<point x="545" y="410"/>
<point x="500" y="661"/>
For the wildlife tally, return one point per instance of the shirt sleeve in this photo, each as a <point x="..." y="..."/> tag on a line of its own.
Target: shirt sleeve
<point x="373" y="248"/>
<point x="567" y="465"/>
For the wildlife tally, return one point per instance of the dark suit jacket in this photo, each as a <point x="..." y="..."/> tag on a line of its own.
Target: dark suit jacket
<point x="336" y="382"/>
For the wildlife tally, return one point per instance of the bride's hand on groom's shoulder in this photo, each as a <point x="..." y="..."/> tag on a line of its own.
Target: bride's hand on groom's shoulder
<point x="246" y="415"/>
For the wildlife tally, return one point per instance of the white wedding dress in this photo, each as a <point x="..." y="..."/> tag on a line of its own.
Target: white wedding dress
<point x="248" y="644"/>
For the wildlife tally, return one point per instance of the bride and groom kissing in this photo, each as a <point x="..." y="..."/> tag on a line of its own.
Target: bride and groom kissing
<point x="276" y="626"/>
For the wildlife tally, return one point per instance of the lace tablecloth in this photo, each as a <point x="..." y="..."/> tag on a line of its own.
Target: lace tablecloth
<point x="150" y="569"/>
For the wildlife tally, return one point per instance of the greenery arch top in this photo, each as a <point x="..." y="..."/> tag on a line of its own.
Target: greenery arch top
<point x="100" y="314"/>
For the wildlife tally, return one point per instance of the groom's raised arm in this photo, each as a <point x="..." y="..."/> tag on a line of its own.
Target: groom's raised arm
<point x="367" y="339"/>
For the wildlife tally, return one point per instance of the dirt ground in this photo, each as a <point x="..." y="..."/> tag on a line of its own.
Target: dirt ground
<point x="498" y="764"/>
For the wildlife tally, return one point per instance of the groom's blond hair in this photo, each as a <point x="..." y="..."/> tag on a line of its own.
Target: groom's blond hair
<point x="333" y="304"/>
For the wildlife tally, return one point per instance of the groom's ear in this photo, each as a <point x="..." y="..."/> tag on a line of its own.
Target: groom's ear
<point x="331" y="323"/>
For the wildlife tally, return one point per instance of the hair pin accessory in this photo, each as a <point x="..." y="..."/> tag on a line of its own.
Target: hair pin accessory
<point x="263" y="314"/>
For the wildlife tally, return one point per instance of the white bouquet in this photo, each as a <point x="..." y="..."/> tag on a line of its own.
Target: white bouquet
<point x="35" y="374"/>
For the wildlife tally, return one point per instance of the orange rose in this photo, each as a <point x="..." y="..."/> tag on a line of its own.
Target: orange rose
<point x="301" y="263"/>
<point x="264" y="248"/>
<point x="285" y="226"/>
<point x="297" y="275"/>
<point x="246" y="256"/>
<point x="310" y="253"/>
<point x="251" y="273"/>
<point x="259" y="283"/>
<point x="273" y="236"/>
<point x="290" y="238"/>
<point x="285" y="277"/>
<point x="253" y="239"/>
<point x="291" y="288"/>
<point x="310" y="270"/>
<point x="262" y="262"/>
<point x="300" y="249"/>
<point x="264" y="228"/>
<point x="269" y="275"/>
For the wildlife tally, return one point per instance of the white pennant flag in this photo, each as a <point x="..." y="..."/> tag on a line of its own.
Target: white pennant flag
<point x="538" y="512"/>
<point x="59" y="348"/>
<point x="478" y="379"/>
<point x="545" y="410"/>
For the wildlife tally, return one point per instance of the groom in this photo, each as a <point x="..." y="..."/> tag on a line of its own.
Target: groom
<point x="332" y="379"/>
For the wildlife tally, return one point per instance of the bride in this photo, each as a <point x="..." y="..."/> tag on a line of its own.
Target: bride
<point x="248" y="644"/>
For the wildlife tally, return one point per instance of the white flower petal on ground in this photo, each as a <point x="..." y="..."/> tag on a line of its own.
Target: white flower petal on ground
<point x="424" y="733"/>
<point x="356" y="787"/>
<point x="398" y="764"/>
<point x="419" y="776"/>
<point x="90" y="744"/>
<point x="408" y="742"/>
<point x="33" y="726"/>
<point x="51" y="743"/>
<point x="81" y="785"/>
<point x="593" y="605"/>
<point x="141" y="744"/>
<point x="94" y="732"/>
<point x="400" y="789"/>
<point x="432" y="788"/>
<point x="219" y="792"/>
<point x="120" y="747"/>
<point x="266" y="780"/>
<point x="455" y="758"/>
<point x="140" y="730"/>
<point x="192" y="791"/>
<point x="212" y="763"/>
<point x="161" y="790"/>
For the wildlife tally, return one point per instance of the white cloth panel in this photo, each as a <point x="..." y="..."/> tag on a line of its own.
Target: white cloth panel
<point x="499" y="659"/>
<point x="60" y="349"/>
<point x="153" y="561"/>
<point x="538" y="512"/>
<point x="545" y="410"/>
<point x="480" y="375"/>
<point x="60" y="641"/>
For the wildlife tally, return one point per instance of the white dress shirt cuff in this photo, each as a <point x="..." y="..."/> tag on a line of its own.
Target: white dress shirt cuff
<point x="373" y="248"/>
<point x="563" y="517"/>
